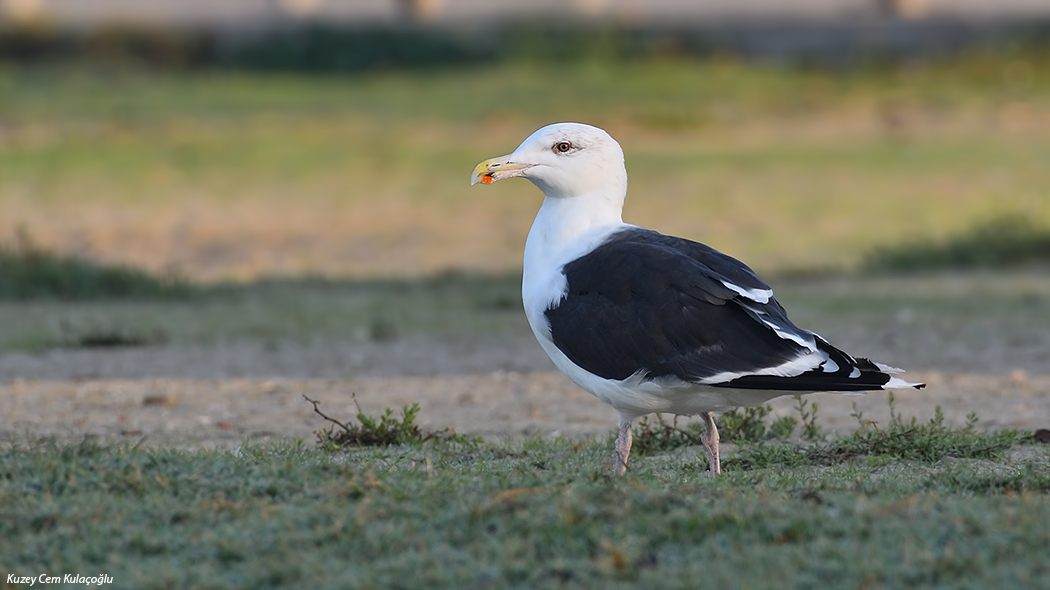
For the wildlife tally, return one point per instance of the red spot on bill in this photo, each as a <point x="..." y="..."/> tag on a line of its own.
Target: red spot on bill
<point x="487" y="179"/>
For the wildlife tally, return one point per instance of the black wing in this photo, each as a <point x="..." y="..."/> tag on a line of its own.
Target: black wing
<point x="650" y="302"/>
<point x="665" y="306"/>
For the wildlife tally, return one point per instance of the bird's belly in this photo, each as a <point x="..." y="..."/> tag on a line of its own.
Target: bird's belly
<point x="635" y="396"/>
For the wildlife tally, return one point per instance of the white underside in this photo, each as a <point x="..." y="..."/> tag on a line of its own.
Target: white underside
<point x="634" y="396"/>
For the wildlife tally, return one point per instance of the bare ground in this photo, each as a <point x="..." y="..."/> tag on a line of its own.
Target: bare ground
<point x="224" y="396"/>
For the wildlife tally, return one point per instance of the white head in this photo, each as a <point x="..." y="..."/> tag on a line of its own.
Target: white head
<point x="563" y="160"/>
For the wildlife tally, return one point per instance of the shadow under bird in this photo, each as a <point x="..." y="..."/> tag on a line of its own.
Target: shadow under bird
<point x="648" y="322"/>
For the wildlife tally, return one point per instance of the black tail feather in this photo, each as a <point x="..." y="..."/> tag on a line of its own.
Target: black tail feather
<point x="870" y="378"/>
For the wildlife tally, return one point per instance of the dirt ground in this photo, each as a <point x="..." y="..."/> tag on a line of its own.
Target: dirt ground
<point x="224" y="396"/>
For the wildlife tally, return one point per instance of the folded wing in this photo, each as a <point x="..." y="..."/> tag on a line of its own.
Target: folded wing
<point x="659" y="306"/>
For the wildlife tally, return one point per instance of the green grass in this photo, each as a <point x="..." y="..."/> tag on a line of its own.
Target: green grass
<point x="536" y="514"/>
<point x="768" y="443"/>
<point x="895" y="442"/>
<point x="28" y="271"/>
<point x="450" y="306"/>
<point x="1002" y="242"/>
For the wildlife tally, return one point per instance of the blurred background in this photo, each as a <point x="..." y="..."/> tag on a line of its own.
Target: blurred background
<point x="236" y="13"/>
<point x="231" y="140"/>
<point x="268" y="150"/>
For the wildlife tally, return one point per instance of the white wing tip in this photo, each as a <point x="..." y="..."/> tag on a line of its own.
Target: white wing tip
<point x="895" y="383"/>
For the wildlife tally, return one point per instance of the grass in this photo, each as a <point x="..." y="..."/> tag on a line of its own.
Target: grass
<point x="742" y="425"/>
<point x="534" y="514"/>
<point x="1002" y="242"/>
<point x="28" y="271"/>
<point x="238" y="176"/>
<point x="769" y="445"/>
<point x="897" y="441"/>
<point x="456" y="307"/>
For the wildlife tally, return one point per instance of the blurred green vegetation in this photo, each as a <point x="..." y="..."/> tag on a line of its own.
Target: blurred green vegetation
<point x="347" y="47"/>
<point x="30" y="272"/>
<point x="240" y="175"/>
<point x="1002" y="242"/>
<point x="453" y="307"/>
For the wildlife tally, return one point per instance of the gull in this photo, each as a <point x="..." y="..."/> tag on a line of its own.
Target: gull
<point x="648" y="322"/>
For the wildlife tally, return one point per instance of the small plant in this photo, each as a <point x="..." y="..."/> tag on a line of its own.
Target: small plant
<point x="382" y="431"/>
<point x="742" y="425"/>
<point x="807" y="412"/>
<point x="739" y="425"/>
<point x="895" y="417"/>
<point x="783" y="426"/>
<point x="858" y="414"/>
<point x="654" y="436"/>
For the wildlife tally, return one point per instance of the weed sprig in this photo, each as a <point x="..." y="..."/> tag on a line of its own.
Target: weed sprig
<point x="382" y="431"/>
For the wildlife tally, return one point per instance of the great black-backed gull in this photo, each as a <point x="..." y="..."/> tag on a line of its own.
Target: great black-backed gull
<point x="648" y="322"/>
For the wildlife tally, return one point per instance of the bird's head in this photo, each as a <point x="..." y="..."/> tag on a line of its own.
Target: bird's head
<point x="562" y="160"/>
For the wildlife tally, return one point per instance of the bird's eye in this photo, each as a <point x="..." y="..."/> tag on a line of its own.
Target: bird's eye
<point x="562" y="146"/>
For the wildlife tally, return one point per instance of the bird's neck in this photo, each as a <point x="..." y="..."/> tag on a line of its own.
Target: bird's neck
<point x="565" y="225"/>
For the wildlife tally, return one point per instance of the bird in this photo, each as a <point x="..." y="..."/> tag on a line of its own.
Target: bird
<point x="652" y="323"/>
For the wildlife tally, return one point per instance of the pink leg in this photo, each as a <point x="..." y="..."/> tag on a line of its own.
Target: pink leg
<point x="623" y="447"/>
<point x="710" y="441"/>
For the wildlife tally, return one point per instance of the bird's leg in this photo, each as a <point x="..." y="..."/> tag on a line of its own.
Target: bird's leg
<point x="710" y="441"/>
<point x="623" y="447"/>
